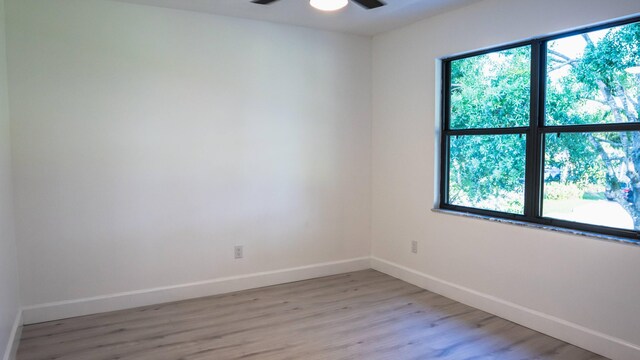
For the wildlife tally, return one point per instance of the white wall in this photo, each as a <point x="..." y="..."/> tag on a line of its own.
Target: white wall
<point x="585" y="281"/>
<point x="9" y="304"/>
<point x="148" y="142"/>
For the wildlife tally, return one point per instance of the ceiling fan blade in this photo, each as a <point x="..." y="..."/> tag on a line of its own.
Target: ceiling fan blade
<point x="370" y="4"/>
<point x="263" y="2"/>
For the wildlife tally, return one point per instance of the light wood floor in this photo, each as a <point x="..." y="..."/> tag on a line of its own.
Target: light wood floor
<point x="362" y="315"/>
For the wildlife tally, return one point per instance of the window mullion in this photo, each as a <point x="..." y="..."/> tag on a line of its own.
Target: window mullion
<point x="534" y="143"/>
<point x="612" y="127"/>
<point x="488" y="131"/>
<point x="444" y="139"/>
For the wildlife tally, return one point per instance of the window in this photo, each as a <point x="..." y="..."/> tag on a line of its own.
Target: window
<point x="547" y="131"/>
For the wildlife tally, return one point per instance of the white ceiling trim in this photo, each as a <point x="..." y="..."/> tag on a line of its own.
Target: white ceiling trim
<point x="352" y="19"/>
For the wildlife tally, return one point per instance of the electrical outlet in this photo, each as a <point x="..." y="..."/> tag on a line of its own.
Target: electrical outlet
<point x="414" y="247"/>
<point x="238" y="252"/>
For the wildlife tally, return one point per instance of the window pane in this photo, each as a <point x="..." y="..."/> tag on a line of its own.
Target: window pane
<point x="491" y="90"/>
<point x="594" y="78"/>
<point x="487" y="172"/>
<point x="591" y="178"/>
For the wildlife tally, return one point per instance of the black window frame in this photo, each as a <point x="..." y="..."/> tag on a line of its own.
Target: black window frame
<point x="534" y="132"/>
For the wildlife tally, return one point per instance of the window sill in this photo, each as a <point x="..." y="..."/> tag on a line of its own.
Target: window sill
<point x="540" y="226"/>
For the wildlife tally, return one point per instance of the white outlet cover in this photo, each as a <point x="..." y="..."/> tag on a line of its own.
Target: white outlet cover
<point x="238" y="252"/>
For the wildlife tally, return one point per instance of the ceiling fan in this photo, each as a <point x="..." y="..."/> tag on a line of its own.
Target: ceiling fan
<point x="330" y="5"/>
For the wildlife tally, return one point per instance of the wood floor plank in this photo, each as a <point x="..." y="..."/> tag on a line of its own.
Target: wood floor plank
<point x="360" y="315"/>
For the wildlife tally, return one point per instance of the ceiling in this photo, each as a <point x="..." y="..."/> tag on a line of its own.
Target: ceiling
<point x="352" y="19"/>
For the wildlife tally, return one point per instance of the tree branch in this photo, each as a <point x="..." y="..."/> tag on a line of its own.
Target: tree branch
<point x="614" y="143"/>
<point x="625" y="105"/>
<point x="587" y="38"/>
<point x="608" y="96"/>
<point x="560" y="55"/>
<point x="560" y="65"/>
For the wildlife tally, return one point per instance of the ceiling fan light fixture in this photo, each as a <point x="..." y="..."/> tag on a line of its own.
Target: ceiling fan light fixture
<point x="328" y="5"/>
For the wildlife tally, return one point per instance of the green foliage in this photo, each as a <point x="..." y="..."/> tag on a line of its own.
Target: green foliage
<point x="560" y="191"/>
<point x="593" y="86"/>
<point x="575" y="154"/>
<point x="590" y="195"/>
<point x="586" y="92"/>
<point x="491" y="90"/>
<point x="488" y="170"/>
<point x="606" y="61"/>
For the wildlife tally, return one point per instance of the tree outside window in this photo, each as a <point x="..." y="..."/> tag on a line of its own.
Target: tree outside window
<point x="548" y="131"/>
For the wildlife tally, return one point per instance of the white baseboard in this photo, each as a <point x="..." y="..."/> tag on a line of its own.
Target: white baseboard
<point x="14" y="338"/>
<point x="589" y="339"/>
<point x="66" y="309"/>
